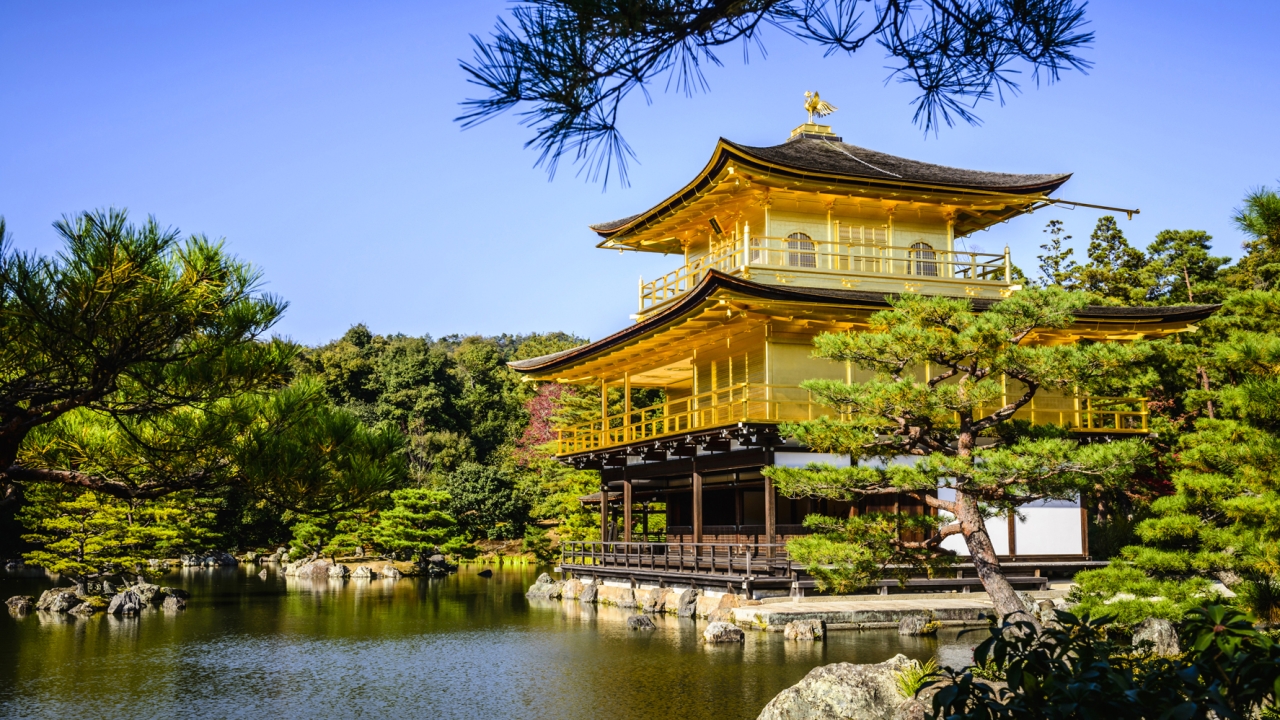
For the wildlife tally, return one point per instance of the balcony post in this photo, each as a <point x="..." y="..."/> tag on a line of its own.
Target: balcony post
<point x="1008" y="274"/>
<point x="626" y="511"/>
<point x="604" y="512"/>
<point x="746" y="244"/>
<point x="697" y="505"/>
<point x="770" y="513"/>
<point x="640" y="295"/>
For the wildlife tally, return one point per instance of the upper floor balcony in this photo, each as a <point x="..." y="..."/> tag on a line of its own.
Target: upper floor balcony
<point x="866" y="263"/>
<point x="771" y="404"/>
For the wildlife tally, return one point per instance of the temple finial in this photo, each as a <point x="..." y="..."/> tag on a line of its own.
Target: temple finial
<point x="816" y="105"/>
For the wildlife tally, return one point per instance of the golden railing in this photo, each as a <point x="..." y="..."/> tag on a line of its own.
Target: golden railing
<point x="755" y="402"/>
<point x="823" y="257"/>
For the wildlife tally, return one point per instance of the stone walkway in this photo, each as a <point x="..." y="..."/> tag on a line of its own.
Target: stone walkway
<point x="865" y="612"/>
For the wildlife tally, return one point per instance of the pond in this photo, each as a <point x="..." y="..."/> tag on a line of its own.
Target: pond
<point x="458" y="647"/>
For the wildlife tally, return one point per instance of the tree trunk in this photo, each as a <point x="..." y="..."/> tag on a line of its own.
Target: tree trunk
<point x="983" y="555"/>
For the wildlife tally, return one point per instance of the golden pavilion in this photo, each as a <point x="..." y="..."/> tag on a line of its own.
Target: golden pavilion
<point x="777" y="245"/>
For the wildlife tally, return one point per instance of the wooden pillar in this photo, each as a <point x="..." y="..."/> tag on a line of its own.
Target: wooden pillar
<point x="604" y="512"/>
<point x="697" y="506"/>
<point x="626" y="511"/>
<point x="770" y="514"/>
<point x="644" y="519"/>
<point x="1013" y="534"/>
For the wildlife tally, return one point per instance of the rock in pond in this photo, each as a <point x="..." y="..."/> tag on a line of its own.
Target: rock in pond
<point x="918" y="624"/>
<point x="149" y="594"/>
<point x="485" y="573"/>
<point x="1157" y="635"/>
<point x="641" y="622"/>
<point x="842" y="690"/>
<point x="723" y="632"/>
<point x="721" y="615"/>
<point x="589" y="593"/>
<point x="58" y="600"/>
<point x="364" y="572"/>
<point x="543" y="588"/>
<point x="21" y="604"/>
<point x="173" y="604"/>
<point x="125" y="603"/>
<point x="262" y="575"/>
<point x="805" y="630"/>
<point x="687" y="605"/>
<point x="338" y="571"/>
<point x="84" y="609"/>
<point x="655" y="600"/>
<point x="390" y="572"/>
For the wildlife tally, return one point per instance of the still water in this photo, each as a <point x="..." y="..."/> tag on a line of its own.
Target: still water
<point x="459" y="647"/>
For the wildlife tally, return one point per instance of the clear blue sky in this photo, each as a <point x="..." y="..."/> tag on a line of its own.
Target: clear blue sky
<point x="318" y="139"/>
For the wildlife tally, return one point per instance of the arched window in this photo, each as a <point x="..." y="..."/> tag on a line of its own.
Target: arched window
<point x="924" y="260"/>
<point x="800" y="251"/>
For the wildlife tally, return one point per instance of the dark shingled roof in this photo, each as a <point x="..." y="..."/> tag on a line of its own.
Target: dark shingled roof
<point x="808" y="154"/>
<point x="833" y="156"/>
<point x="716" y="280"/>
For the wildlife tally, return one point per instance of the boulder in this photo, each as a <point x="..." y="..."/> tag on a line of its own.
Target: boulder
<point x="655" y="600"/>
<point x="390" y="572"/>
<point x="572" y="590"/>
<point x="362" y="573"/>
<point x="251" y="556"/>
<point x="641" y="622"/>
<point x="58" y="600"/>
<point x="590" y="593"/>
<point x="21" y="604"/>
<point x="126" y="603"/>
<point x="309" y="569"/>
<point x="485" y="573"/>
<point x="173" y="604"/>
<point x="623" y="597"/>
<point x="918" y="624"/>
<point x="339" y="571"/>
<point x="176" y="592"/>
<point x="273" y="558"/>
<point x="1156" y="636"/>
<point x="687" y="605"/>
<point x="149" y="594"/>
<point x="108" y="588"/>
<point x="723" y="632"/>
<point x="842" y="690"/>
<point x="436" y="572"/>
<point x="440" y="562"/>
<point x="83" y="609"/>
<point x="722" y="615"/>
<point x="262" y="575"/>
<point x="542" y="588"/>
<point x="805" y="630"/>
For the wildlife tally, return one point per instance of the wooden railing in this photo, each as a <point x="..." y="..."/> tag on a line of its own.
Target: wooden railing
<point x="726" y="559"/>
<point x="823" y="257"/>
<point x="759" y="403"/>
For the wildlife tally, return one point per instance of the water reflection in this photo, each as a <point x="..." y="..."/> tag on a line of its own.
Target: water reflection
<point x="458" y="647"/>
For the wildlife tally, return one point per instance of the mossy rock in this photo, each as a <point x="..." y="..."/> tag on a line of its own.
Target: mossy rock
<point x="97" y="602"/>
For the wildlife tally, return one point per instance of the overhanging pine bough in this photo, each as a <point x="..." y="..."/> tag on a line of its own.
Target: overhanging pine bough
<point x="575" y="61"/>
<point x="939" y="420"/>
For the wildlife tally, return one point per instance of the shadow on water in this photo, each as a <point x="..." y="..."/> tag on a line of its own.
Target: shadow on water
<point x="459" y="647"/>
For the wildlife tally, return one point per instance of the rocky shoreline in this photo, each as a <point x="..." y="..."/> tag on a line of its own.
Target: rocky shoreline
<point x="104" y="597"/>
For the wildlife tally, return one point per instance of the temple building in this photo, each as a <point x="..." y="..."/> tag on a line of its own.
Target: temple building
<point x="774" y="246"/>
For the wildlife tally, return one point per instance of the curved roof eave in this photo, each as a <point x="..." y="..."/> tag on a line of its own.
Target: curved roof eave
<point x="743" y="155"/>
<point x="716" y="280"/>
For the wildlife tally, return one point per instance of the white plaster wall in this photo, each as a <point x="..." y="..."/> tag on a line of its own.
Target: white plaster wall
<point x="1051" y="527"/>
<point x="800" y="459"/>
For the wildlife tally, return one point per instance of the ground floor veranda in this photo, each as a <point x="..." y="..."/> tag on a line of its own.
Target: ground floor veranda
<point x="697" y="510"/>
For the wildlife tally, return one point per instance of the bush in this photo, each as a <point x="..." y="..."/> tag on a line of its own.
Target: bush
<point x="1230" y="670"/>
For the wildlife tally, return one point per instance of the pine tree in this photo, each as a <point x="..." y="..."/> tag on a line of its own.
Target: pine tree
<point x="938" y="421"/>
<point x="1223" y="519"/>
<point x="418" y="525"/>
<point x="1115" y="270"/>
<point x="1057" y="269"/>
<point x="1259" y="269"/>
<point x="1182" y="270"/>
